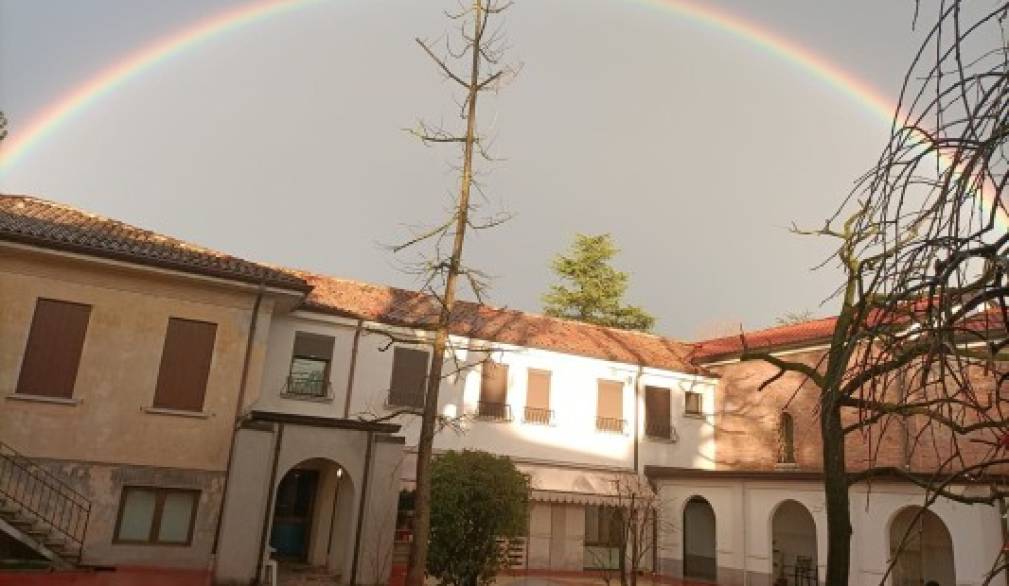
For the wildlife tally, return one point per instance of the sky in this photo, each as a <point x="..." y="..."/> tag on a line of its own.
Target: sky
<point x="283" y="141"/>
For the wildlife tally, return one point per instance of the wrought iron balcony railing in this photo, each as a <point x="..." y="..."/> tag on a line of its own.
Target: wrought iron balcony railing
<point x="610" y="424"/>
<point x="494" y="411"/>
<point x="659" y="430"/>
<point x="307" y="387"/>
<point x="538" y="416"/>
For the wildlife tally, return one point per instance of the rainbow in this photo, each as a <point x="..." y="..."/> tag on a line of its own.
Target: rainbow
<point x="106" y="81"/>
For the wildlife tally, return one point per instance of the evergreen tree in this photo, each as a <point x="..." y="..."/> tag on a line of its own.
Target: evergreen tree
<point x="594" y="290"/>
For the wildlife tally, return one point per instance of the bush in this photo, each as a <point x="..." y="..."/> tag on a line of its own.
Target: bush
<point x="476" y="498"/>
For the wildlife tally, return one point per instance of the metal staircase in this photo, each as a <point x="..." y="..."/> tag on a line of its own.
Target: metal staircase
<point x="41" y="511"/>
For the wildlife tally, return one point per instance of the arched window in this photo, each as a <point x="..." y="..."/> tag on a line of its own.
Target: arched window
<point x="786" y="439"/>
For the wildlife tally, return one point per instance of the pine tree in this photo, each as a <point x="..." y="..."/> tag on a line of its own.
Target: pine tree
<point x="596" y="290"/>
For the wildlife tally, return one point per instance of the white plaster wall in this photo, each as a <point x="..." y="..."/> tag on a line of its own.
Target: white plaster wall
<point x="974" y="530"/>
<point x="572" y="438"/>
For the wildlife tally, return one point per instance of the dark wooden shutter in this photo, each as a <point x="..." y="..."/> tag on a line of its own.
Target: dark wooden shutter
<point x="611" y="399"/>
<point x="538" y="391"/>
<point x="313" y="346"/>
<point x="409" y="377"/>
<point x="657" y="412"/>
<point x="53" y="353"/>
<point x="494" y="383"/>
<point x="185" y="365"/>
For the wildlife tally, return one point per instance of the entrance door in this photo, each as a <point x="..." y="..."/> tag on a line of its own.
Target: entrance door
<point x="292" y="515"/>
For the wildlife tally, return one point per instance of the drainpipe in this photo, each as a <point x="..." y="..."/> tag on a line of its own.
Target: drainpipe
<point x="353" y="367"/>
<point x="263" y="530"/>
<point x="332" y="517"/>
<point x="361" y="508"/>
<point x="746" y="518"/>
<point x="637" y="420"/>
<point x="238" y="412"/>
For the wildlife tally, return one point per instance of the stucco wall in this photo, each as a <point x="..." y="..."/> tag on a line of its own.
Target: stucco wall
<point x="119" y="364"/>
<point x="974" y="530"/>
<point x="572" y="438"/>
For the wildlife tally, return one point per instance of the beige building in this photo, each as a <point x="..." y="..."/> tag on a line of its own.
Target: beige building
<point x="126" y="359"/>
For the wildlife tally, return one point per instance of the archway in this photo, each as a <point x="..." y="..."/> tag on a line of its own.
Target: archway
<point x="793" y="545"/>
<point x="699" y="557"/>
<point x="311" y="529"/>
<point x="922" y="547"/>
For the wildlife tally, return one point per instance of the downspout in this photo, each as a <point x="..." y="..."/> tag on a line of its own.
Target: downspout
<point x="263" y="532"/>
<point x="361" y="508"/>
<point x="746" y="519"/>
<point x="353" y="367"/>
<point x="238" y="411"/>
<point x="637" y="420"/>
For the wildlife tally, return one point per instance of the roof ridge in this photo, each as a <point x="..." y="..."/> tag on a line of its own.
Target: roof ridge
<point x="771" y="329"/>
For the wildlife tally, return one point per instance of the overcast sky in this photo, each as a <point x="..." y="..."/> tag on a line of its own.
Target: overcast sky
<point x="282" y="141"/>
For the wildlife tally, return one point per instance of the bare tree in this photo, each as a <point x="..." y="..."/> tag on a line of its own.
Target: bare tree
<point x="481" y="49"/>
<point x="920" y="340"/>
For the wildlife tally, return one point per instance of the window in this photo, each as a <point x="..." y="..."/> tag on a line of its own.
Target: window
<point x="53" y="352"/>
<point x="657" y="413"/>
<point x="493" y="391"/>
<point x="157" y="516"/>
<point x="538" y="398"/>
<point x="602" y="526"/>
<point x="409" y="377"/>
<point x="786" y="439"/>
<point x="610" y="406"/>
<point x="692" y="403"/>
<point x="310" y="363"/>
<point x="185" y="365"/>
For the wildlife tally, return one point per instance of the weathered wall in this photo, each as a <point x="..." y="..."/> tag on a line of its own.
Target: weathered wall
<point x="119" y="364"/>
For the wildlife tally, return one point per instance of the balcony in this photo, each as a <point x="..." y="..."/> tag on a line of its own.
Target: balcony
<point x="307" y="388"/>
<point x="538" y="416"/>
<point x="659" y="430"/>
<point x="610" y="424"/>
<point x="405" y="399"/>
<point x="494" y="411"/>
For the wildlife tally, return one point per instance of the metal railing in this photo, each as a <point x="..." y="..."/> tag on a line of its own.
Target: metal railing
<point x="307" y="387"/>
<point x="44" y="499"/>
<point x="412" y="400"/>
<point x="610" y="424"/>
<point x="660" y="430"/>
<point x="538" y="416"/>
<point x="495" y="411"/>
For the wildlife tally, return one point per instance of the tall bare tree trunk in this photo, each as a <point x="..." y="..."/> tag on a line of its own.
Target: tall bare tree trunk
<point x="422" y="503"/>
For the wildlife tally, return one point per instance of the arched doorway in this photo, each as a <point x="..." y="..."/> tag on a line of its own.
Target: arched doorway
<point x="793" y="545"/>
<point x="699" y="557"/>
<point x="311" y="530"/>
<point x="922" y="547"/>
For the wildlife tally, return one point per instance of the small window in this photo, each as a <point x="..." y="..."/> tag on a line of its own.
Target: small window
<point x="493" y="391"/>
<point x="692" y="403"/>
<point x="409" y="377"/>
<point x="185" y="365"/>
<point x="610" y="406"/>
<point x="53" y="353"/>
<point x="310" y="365"/>
<point x="156" y="516"/>
<point x="786" y="439"/>
<point x="657" y="413"/>
<point x="537" y="408"/>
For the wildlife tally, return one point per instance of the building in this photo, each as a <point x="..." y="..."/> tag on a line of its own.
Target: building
<point x="298" y="432"/>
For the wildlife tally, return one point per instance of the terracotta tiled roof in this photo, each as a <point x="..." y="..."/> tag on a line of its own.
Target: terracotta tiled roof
<point x="38" y="222"/>
<point x="413" y="309"/>
<point x="808" y="332"/>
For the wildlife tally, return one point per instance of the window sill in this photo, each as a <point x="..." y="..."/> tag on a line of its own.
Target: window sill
<point x="786" y="466"/>
<point x="44" y="399"/>
<point x="175" y="412"/>
<point x="309" y="398"/>
<point x="695" y="415"/>
<point x="658" y="439"/>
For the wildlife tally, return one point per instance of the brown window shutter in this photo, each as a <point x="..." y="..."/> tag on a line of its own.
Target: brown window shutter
<point x="313" y="346"/>
<point x="538" y="391"/>
<point x="657" y="411"/>
<point x="611" y="399"/>
<point x="494" y="383"/>
<point x="185" y="365"/>
<point x="53" y="353"/>
<point x="409" y="377"/>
